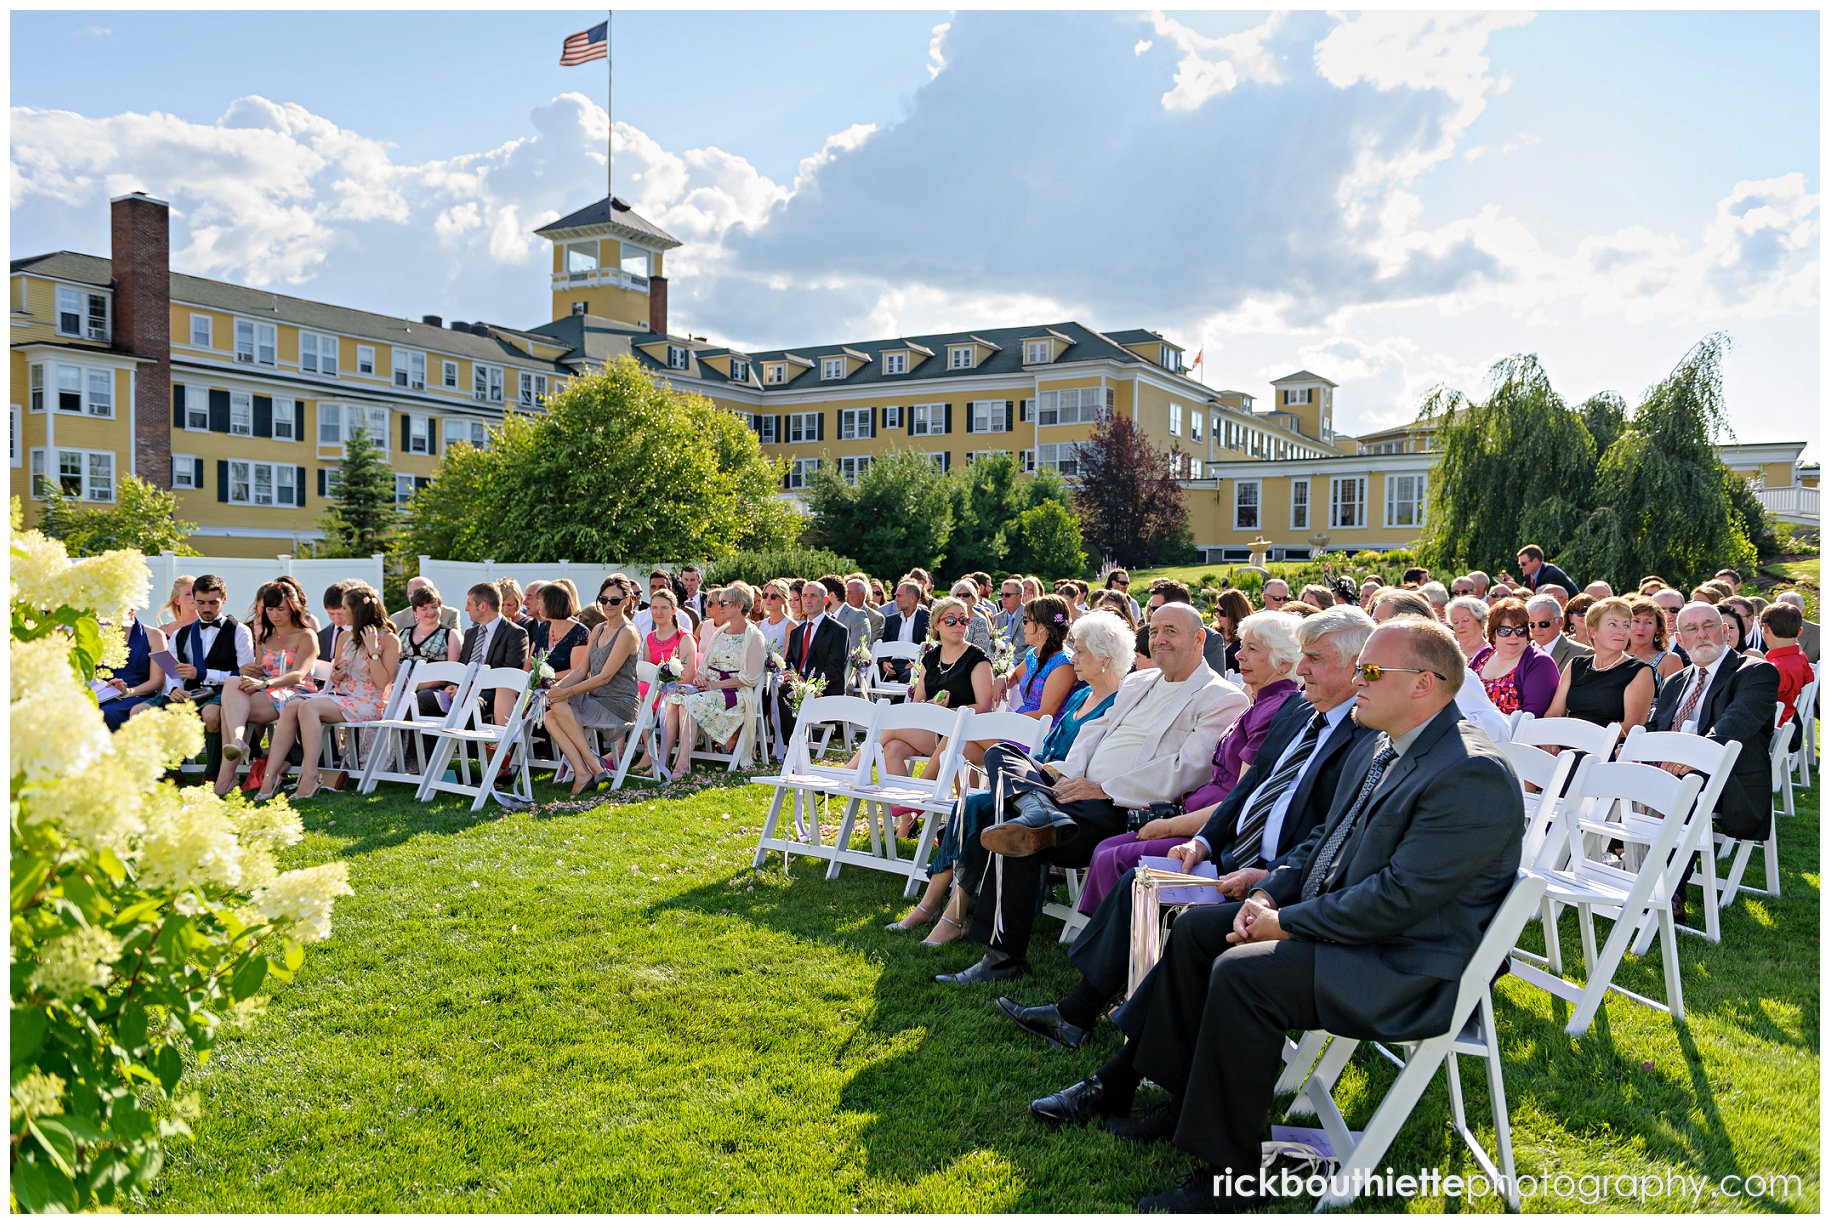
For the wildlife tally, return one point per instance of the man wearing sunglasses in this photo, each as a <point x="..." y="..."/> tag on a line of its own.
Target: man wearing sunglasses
<point x="1120" y="580"/>
<point x="1276" y="594"/>
<point x="1363" y="930"/>
<point x="1544" y="617"/>
<point x="1478" y="708"/>
<point x="1007" y="621"/>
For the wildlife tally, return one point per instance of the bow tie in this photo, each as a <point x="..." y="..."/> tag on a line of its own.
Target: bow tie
<point x="204" y="624"/>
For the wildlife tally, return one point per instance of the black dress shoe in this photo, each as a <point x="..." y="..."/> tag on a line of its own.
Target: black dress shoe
<point x="1195" y="1196"/>
<point x="1031" y="833"/>
<point x="1075" y="1105"/>
<point x="995" y="967"/>
<point x="1046" y="1023"/>
<point x="1157" y="1126"/>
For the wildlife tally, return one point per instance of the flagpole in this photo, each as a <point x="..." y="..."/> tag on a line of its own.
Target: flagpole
<point x="609" y="122"/>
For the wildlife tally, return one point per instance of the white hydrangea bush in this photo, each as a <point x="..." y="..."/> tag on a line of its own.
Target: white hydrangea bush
<point x="144" y="915"/>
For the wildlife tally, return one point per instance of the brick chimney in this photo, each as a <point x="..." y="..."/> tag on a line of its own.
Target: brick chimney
<point x="141" y="235"/>
<point x="657" y="305"/>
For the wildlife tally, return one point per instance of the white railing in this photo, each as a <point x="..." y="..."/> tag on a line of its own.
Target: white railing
<point x="614" y="277"/>
<point x="1791" y="501"/>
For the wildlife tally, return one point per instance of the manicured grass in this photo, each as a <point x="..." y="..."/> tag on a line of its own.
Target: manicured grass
<point x="606" y="1010"/>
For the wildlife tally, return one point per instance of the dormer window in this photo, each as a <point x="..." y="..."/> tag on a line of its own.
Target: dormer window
<point x="775" y="373"/>
<point x="740" y="370"/>
<point x="1036" y="352"/>
<point x="1166" y="357"/>
<point x="832" y="368"/>
<point x="895" y="363"/>
<point x="676" y="357"/>
<point x="83" y="314"/>
<point x="959" y="357"/>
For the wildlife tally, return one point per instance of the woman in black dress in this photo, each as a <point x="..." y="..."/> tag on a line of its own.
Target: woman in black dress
<point x="1611" y="686"/>
<point x="955" y="674"/>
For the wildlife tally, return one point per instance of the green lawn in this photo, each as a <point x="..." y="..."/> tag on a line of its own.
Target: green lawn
<point x="604" y="1009"/>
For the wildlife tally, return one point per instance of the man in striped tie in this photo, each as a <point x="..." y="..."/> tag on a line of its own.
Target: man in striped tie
<point x="1272" y="810"/>
<point x="1364" y="930"/>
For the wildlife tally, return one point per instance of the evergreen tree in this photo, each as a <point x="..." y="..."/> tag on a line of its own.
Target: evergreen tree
<point x="362" y="517"/>
<point x="143" y="517"/>
<point x="1128" y="495"/>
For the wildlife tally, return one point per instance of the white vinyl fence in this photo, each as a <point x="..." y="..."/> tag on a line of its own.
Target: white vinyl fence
<point x="454" y="578"/>
<point x="243" y="577"/>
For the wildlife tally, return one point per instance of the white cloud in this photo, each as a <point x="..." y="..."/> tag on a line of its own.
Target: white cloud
<point x="94" y="31"/>
<point x="1212" y="66"/>
<point x="937" y="49"/>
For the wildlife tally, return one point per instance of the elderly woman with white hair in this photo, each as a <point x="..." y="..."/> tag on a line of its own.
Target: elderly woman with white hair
<point x="1466" y="617"/>
<point x="1268" y="655"/>
<point x="1105" y="650"/>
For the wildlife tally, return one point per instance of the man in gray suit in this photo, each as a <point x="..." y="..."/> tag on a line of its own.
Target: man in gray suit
<point x="1808" y="634"/>
<point x="864" y="624"/>
<point x="1364" y="929"/>
<point x="1544" y="618"/>
<point x="1007" y="621"/>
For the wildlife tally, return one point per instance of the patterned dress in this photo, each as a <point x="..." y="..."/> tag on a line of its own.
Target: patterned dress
<point x="728" y="656"/>
<point x="275" y="662"/>
<point x="355" y="693"/>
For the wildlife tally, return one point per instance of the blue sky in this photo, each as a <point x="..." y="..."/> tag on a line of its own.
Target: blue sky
<point x="1394" y="200"/>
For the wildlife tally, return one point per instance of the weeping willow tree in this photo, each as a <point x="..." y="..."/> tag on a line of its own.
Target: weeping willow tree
<point x="1664" y="502"/>
<point x="1516" y="468"/>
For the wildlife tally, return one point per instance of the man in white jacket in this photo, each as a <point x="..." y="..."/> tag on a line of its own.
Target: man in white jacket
<point x="1155" y="744"/>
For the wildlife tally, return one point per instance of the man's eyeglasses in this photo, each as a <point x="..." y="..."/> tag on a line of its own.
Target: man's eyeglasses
<point x="1370" y="672"/>
<point x="1511" y="631"/>
<point x="1542" y="624"/>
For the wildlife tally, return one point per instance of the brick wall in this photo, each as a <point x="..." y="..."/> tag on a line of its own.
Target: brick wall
<point x="141" y="236"/>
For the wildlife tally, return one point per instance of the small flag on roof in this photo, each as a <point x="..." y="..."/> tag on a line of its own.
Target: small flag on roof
<point x="586" y="45"/>
<point x="1199" y="353"/>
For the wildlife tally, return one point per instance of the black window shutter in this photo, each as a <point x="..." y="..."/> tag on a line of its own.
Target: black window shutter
<point x="298" y="485"/>
<point x="178" y="405"/>
<point x="197" y="474"/>
<point x="946" y="461"/>
<point x="432" y="437"/>
<point x="1024" y="409"/>
<point x="819" y="427"/>
<point x="971" y="412"/>
<point x="420" y="482"/>
<point x="780" y="428"/>
<point x="323" y="482"/>
<point x="222" y="472"/>
<point x="219" y="411"/>
<point x="946" y="418"/>
<point x="263" y="416"/>
<point x="908" y="418"/>
<point x="1007" y="408"/>
<point x="406" y="427"/>
<point x="870" y="422"/>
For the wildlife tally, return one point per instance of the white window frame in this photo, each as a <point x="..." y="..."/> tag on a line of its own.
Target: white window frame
<point x="1195" y="420"/>
<point x="1175" y="419"/>
<point x="768" y="428"/>
<point x="409" y="369"/>
<point x="257" y="343"/>
<point x="892" y="416"/>
<point x="942" y="460"/>
<point x="375" y="422"/>
<point x="196" y="408"/>
<point x="676" y="357"/>
<point x="448" y="375"/>
<point x="1193" y="466"/>
<point x="184" y="471"/>
<point x="35" y="393"/>
<point x="803" y="427"/>
<point x="94" y="388"/>
<point x="365" y="359"/>
<point x="635" y="261"/>
<point x="403" y="488"/>
<point x="1062" y="457"/>
<point x="72" y="300"/>
<point x="853" y="467"/>
<point x="533" y="388"/>
<point x="486" y="383"/>
<point x="457" y="429"/>
<point x="775" y="373"/>
<point x="994" y="423"/>
<point x="1293" y="396"/>
<point x="1418" y="488"/>
<point x="1073" y="406"/>
<point x="241" y="414"/>
<point x="959" y="356"/>
<point x="1300" y="506"/>
<point x="832" y="368"/>
<point x="1336" y="484"/>
<point x="419" y="434"/>
<point x="856" y="424"/>
<point x="799" y="472"/>
<point x="588" y="256"/>
<point x="1037" y="352"/>
<point x="1255" y="504"/>
<point x="16" y="451"/>
<point x="321" y="350"/>
<point x="895" y="363"/>
<point x="203" y="331"/>
<point x="740" y="370"/>
<point x="333" y="479"/>
<point x="330" y="424"/>
<point x="286" y="412"/>
<point x="252" y="475"/>
<point x="927" y="420"/>
<point x="87" y="488"/>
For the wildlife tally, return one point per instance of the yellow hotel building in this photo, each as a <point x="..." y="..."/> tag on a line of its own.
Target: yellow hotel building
<point x="240" y="400"/>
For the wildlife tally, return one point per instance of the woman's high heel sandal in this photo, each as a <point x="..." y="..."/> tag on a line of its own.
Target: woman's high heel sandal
<point x="903" y="923"/>
<point x="959" y="928"/>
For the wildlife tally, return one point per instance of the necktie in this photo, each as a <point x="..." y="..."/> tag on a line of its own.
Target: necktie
<point x="806" y="645"/>
<point x="1324" y="858"/>
<point x="1248" y="842"/>
<point x="1688" y="710"/>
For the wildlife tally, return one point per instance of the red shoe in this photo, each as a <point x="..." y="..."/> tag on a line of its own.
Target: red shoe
<point x="906" y="819"/>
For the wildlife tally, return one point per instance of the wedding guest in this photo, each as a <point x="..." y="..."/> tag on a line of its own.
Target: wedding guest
<point x="1318" y="596"/>
<point x="1046" y="674"/>
<point x="1650" y="637"/>
<point x="447" y="616"/>
<point x="954" y="674"/>
<point x="1736" y="631"/>
<point x="776" y="621"/>
<point x="1467" y="620"/>
<point x="210" y="652"/>
<point x="178" y="609"/>
<point x="1230" y="610"/>
<point x="600" y="691"/>
<point x="139" y="680"/>
<point x="1544" y="617"/>
<point x="978" y="632"/>
<point x="1516" y="674"/>
<point x="336" y="620"/>
<point x="1575" y="624"/>
<point x="735" y="659"/>
<point x="368" y="657"/>
<point x="285" y="649"/>
<point x="1782" y="622"/>
<point x="1119" y="604"/>
<point x="668" y="639"/>
<point x="1610" y="685"/>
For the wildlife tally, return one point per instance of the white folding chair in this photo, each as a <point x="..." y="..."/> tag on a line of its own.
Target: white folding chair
<point x="876" y="791"/>
<point x="644" y="733"/>
<point x="493" y="743"/>
<point x="403" y="724"/>
<point x="1714" y="761"/>
<point x="806" y="779"/>
<point x="1804" y="760"/>
<point x="1471" y="1032"/>
<point x="1579" y="874"/>
<point x="876" y="686"/>
<point x="749" y="735"/>
<point x="1550" y="779"/>
<point x="1567" y="733"/>
<point x="1512" y="722"/>
<point x="994" y="725"/>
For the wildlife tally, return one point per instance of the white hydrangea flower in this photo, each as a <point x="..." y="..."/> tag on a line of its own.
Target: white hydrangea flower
<point x="154" y="741"/>
<point x="38" y="570"/>
<point x="109" y="585"/>
<point x="304" y="898"/>
<point x="38" y="1095"/>
<point x="41" y="665"/>
<point x="191" y="842"/>
<point x="100" y="807"/>
<point x="258" y="868"/>
<point x="274" y="823"/>
<point x="56" y="731"/>
<point x="70" y="963"/>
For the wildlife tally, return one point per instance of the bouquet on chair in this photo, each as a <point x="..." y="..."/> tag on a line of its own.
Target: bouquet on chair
<point x="800" y="688"/>
<point x="541" y="672"/>
<point x="670" y="670"/>
<point x="861" y="657"/>
<point x="1003" y="658"/>
<point x="776" y="663"/>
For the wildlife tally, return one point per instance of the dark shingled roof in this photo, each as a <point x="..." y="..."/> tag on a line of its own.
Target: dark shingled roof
<point x="592" y="337"/>
<point x="599" y="213"/>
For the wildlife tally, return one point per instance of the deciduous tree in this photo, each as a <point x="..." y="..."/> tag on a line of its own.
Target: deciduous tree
<point x="143" y="518"/>
<point x="1128" y="495"/>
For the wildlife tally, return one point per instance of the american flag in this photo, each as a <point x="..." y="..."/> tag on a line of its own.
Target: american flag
<point x="585" y="46"/>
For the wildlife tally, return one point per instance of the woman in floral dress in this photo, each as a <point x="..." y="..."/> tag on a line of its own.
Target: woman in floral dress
<point x="285" y="651"/>
<point x="734" y="660"/>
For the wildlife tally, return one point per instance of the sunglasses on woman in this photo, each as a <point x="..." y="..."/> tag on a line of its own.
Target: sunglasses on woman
<point x="952" y="620"/>
<point x="609" y="601"/>
<point x="1511" y="631"/>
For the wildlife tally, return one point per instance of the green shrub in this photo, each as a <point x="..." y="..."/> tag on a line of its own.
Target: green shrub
<point x="758" y="567"/>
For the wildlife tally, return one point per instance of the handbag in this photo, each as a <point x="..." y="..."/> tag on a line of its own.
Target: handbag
<point x="257" y="774"/>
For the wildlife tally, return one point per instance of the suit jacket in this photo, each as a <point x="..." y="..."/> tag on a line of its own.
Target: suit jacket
<point x="1314" y="792"/>
<point x="403" y="619"/>
<point x="507" y="646"/>
<point x="1566" y="648"/>
<point x="830" y="646"/>
<point x="1808" y="639"/>
<point x="858" y="625"/>
<point x="1739" y="707"/>
<point x="695" y="602"/>
<point x="1007" y="624"/>
<point x="327" y="639"/>
<point x="1178" y="753"/>
<point x="1407" y="898"/>
<point x="892" y="630"/>
<point x="1549" y="575"/>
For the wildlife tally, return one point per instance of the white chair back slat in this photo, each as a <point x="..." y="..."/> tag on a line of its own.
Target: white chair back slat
<point x="1567" y="733"/>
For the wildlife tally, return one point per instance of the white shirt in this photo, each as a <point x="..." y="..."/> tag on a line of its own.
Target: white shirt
<point x="1478" y="708"/>
<point x="813" y="627"/>
<point x="905" y="632"/>
<point x="1708" y="676"/>
<point x="1117" y="752"/>
<point x="244" y="653"/>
